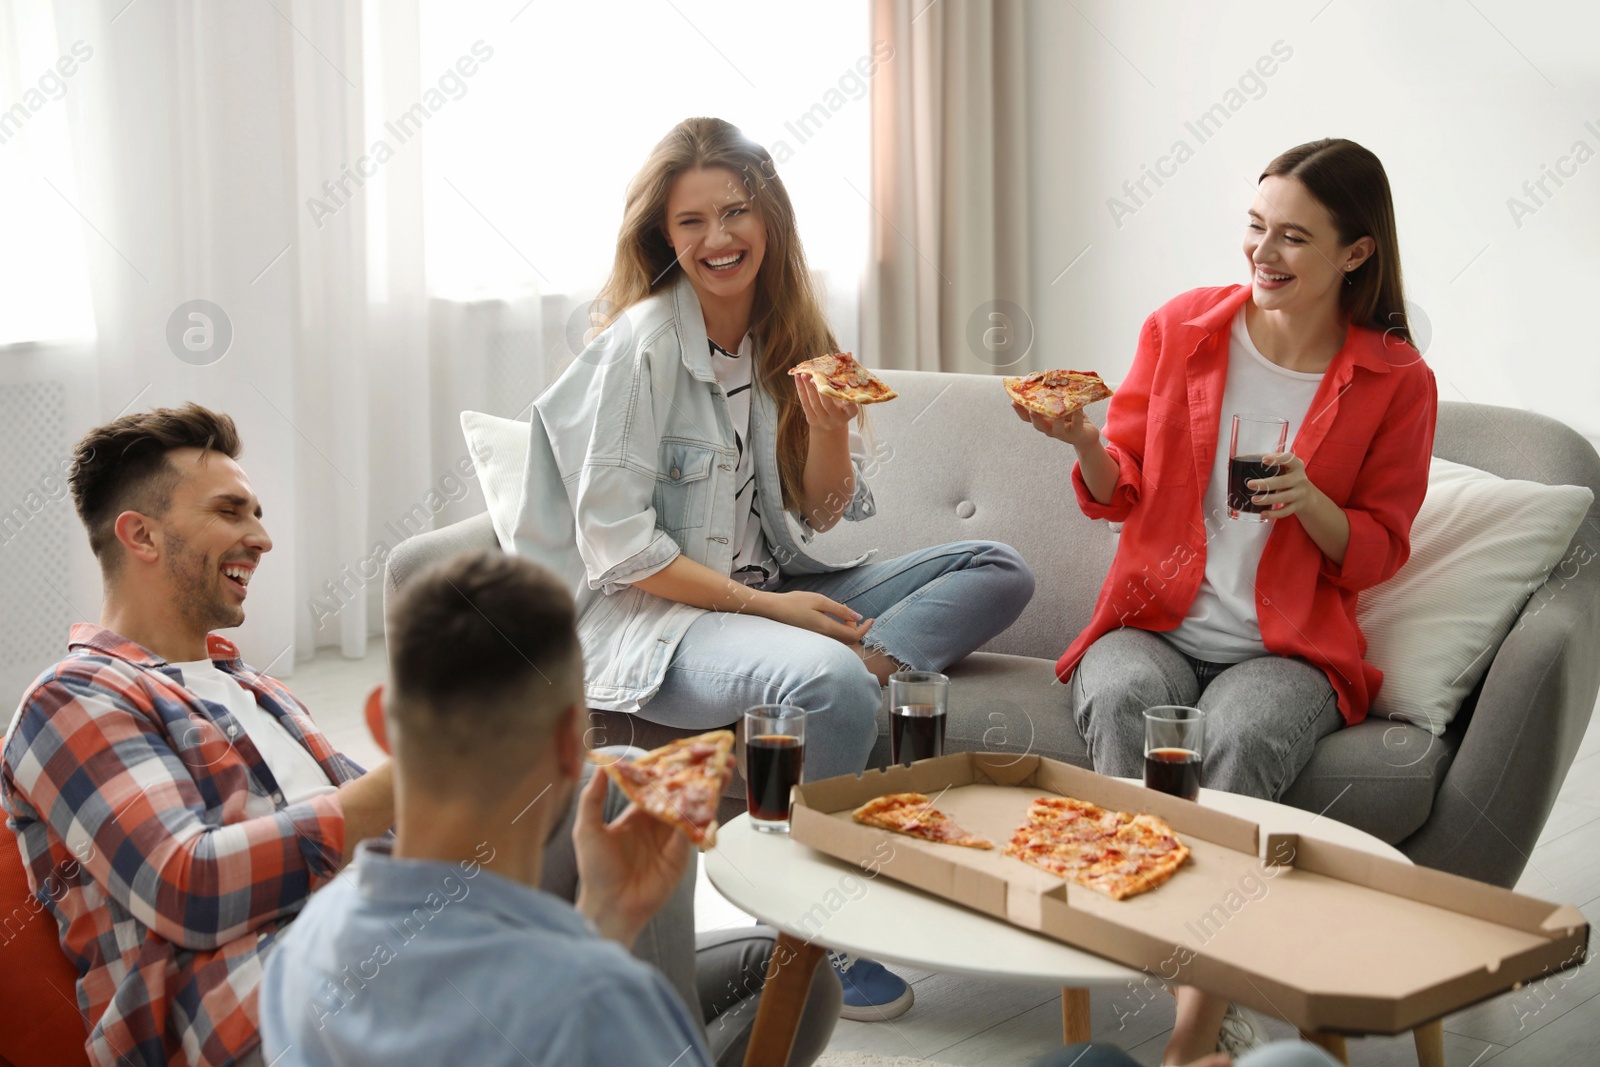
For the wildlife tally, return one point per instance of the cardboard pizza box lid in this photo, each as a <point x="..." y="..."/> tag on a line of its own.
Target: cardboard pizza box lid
<point x="1326" y="937"/>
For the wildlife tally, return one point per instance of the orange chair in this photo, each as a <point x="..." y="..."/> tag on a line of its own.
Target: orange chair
<point x="375" y="724"/>
<point x="43" y="1027"/>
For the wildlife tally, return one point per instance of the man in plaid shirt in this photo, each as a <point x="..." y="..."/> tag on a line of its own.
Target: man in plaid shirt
<point x="175" y="808"/>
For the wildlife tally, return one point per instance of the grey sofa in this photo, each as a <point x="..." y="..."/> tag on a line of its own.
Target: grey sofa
<point x="962" y="466"/>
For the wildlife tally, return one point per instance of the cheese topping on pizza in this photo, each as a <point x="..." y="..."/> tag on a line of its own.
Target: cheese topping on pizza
<point x="839" y="375"/>
<point x="1114" y="852"/>
<point x="681" y="782"/>
<point x="1057" y="392"/>
<point x="913" y="814"/>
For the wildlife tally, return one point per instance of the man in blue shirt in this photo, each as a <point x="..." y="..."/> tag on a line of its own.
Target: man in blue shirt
<point x="439" y="946"/>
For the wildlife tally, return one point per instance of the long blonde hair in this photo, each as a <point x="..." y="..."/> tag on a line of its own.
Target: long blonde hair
<point x="786" y="320"/>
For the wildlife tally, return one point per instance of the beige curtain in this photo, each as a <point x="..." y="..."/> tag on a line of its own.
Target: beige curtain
<point x="947" y="285"/>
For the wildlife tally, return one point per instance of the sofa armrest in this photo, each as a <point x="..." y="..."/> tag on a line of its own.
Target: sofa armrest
<point x="1536" y="702"/>
<point x="418" y="551"/>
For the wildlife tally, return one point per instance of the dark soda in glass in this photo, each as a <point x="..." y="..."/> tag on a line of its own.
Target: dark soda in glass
<point x="772" y="767"/>
<point x="1175" y="771"/>
<point x="1243" y="469"/>
<point x="916" y="732"/>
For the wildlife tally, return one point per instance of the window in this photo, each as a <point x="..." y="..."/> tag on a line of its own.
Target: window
<point x="525" y="175"/>
<point x="44" y="275"/>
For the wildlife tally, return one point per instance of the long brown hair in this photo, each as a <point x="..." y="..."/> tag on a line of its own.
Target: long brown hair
<point x="1350" y="182"/>
<point x="786" y="321"/>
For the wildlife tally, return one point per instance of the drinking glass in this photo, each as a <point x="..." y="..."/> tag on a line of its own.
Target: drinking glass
<point x="1174" y="749"/>
<point x="917" y="704"/>
<point x="1253" y="436"/>
<point x="774" y="756"/>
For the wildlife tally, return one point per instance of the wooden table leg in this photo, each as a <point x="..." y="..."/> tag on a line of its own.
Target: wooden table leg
<point x="1332" y="1044"/>
<point x="1074" y="1015"/>
<point x="1430" y="1043"/>
<point x="783" y="998"/>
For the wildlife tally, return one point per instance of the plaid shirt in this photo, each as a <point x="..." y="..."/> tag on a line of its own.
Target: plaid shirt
<point x="155" y="833"/>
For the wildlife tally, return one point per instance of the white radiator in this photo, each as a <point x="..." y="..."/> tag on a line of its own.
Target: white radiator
<point x="36" y="521"/>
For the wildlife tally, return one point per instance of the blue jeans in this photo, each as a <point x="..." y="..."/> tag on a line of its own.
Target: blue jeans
<point x="931" y="608"/>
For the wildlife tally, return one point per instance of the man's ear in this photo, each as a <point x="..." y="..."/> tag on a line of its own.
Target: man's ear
<point x="137" y="535"/>
<point x="567" y="738"/>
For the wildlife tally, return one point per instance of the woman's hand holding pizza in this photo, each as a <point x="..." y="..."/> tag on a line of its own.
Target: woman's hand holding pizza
<point x="1074" y="428"/>
<point x="824" y="414"/>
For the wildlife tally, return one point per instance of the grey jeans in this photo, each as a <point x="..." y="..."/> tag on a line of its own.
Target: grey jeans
<point x="931" y="608"/>
<point x="1264" y="716"/>
<point x="718" y="974"/>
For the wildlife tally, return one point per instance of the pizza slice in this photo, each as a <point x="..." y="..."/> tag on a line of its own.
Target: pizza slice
<point x="681" y="782"/>
<point x="1056" y="393"/>
<point x="839" y="375"/>
<point x="1141" y="856"/>
<point x="1061" y="835"/>
<point x="1113" y="852"/>
<point x="914" y="815"/>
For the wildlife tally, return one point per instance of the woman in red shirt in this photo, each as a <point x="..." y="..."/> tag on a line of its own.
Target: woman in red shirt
<point x="1255" y="622"/>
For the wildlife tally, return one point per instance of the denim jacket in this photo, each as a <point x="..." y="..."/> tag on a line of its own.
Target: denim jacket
<point x="630" y="464"/>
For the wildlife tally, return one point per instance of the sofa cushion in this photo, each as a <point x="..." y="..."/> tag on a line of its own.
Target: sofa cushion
<point x="1378" y="776"/>
<point x="499" y="450"/>
<point x="1480" y="545"/>
<point x="958" y="465"/>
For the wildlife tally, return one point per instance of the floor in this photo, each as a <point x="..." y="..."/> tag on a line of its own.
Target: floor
<point x="959" y="1021"/>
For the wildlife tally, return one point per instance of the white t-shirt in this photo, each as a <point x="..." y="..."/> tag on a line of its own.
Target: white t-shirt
<point x="1221" y="626"/>
<point x="300" y="777"/>
<point x="752" y="559"/>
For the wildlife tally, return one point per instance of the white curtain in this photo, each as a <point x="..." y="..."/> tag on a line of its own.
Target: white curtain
<point x="949" y="278"/>
<point x="266" y="158"/>
<point x="218" y="156"/>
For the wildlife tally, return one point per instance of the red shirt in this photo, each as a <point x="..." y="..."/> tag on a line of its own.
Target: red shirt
<point x="1366" y="443"/>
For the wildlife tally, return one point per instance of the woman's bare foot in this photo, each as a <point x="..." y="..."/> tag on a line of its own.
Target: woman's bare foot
<point x="1194" y="1033"/>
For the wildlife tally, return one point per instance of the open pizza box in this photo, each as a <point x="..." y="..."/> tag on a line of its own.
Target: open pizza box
<point x="1325" y="937"/>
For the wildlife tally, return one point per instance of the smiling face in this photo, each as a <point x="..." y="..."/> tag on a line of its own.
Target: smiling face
<point x="717" y="234"/>
<point x="1297" y="260"/>
<point x="211" y="540"/>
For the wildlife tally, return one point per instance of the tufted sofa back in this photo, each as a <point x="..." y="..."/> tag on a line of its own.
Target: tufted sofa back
<point x="955" y="464"/>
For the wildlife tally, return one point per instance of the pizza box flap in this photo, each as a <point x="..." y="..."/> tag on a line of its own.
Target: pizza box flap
<point x="1323" y="936"/>
<point x="1437" y="888"/>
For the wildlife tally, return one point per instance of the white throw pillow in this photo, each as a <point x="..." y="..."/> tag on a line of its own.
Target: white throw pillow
<point x="1480" y="546"/>
<point x="499" y="450"/>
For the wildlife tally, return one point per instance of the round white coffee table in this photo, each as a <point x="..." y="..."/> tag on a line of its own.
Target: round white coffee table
<point x="813" y="899"/>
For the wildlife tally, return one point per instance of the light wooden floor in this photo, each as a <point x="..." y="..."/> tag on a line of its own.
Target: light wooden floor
<point x="964" y="1021"/>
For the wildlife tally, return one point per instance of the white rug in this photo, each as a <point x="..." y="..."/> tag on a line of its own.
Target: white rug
<point x="867" y="1059"/>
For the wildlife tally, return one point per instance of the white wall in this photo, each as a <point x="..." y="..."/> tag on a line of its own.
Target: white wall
<point x="1462" y="102"/>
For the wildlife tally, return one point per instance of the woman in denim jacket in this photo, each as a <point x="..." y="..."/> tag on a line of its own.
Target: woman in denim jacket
<point x="690" y="471"/>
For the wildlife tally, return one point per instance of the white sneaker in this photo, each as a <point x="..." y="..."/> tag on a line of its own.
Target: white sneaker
<point x="1242" y="1030"/>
